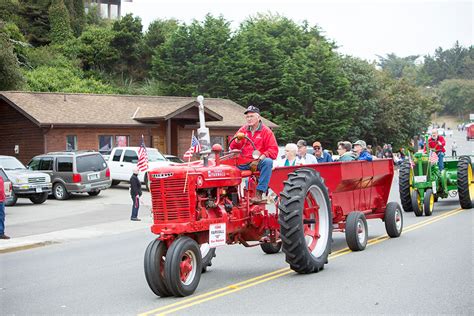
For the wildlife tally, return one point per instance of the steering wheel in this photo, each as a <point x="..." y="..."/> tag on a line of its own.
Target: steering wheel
<point x="238" y="151"/>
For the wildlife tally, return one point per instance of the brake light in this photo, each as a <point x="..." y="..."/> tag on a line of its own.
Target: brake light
<point x="76" y="178"/>
<point x="107" y="173"/>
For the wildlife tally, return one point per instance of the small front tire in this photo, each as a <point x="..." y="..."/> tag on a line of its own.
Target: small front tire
<point x="428" y="202"/>
<point x="416" y="204"/>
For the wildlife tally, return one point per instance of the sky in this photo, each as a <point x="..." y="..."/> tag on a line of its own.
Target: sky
<point x="361" y="28"/>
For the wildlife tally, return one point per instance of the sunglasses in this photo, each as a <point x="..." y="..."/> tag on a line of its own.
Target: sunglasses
<point x="317" y="147"/>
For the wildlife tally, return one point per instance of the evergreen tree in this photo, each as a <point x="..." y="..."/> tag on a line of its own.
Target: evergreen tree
<point x="60" y="23"/>
<point x="10" y="75"/>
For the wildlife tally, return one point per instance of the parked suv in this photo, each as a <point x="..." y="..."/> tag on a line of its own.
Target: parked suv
<point x="26" y="184"/>
<point x="74" y="172"/>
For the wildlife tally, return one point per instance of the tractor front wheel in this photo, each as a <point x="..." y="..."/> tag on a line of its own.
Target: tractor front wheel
<point x="465" y="182"/>
<point x="393" y="220"/>
<point x="154" y="263"/>
<point x="356" y="231"/>
<point x="428" y="202"/>
<point x="183" y="266"/>
<point x="416" y="204"/>
<point x="305" y="221"/>
<point x="271" y="248"/>
<point x="405" y="183"/>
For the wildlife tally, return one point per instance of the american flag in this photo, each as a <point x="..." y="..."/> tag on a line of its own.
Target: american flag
<point x="433" y="158"/>
<point x="142" y="157"/>
<point x="195" y="148"/>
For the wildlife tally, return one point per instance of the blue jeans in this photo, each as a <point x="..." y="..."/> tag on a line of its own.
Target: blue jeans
<point x="440" y="160"/>
<point x="135" y="206"/>
<point x="265" y="168"/>
<point x="2" y="218"/>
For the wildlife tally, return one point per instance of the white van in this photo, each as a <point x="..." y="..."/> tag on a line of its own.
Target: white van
<point x="122" y="160"/>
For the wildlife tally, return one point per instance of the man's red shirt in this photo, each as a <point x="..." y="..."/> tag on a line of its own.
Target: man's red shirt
<point x="262" y="137"/>
<point x="433" y="143"/>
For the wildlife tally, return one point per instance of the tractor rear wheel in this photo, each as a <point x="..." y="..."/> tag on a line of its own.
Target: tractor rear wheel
<point x="428" y="202"/>
<point x="207" y="253"/>
<point x="405" y="178"/>
<point x="271" y="248"/>
<point x="356" y="231"/>
<point x="393" y="219"/>
<point x="183" y="266"/>
<point x="465" y="182"/>
<point x="416" y="204"/>
<point x="155" y="267"/>
<point x="305" y="221"/>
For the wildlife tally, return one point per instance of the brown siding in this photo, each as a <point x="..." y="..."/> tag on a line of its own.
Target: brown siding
<point x="88" y="138"/>
<point x="16" y="129"/>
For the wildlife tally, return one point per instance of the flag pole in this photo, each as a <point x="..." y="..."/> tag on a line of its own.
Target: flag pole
<point x="189" y="159"/>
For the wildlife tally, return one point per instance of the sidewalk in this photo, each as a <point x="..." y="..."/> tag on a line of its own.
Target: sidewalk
<point x="93" y="231"/>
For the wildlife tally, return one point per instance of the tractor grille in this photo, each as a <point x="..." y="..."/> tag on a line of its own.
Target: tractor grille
<point x="36" y="180"/>
<point x="170" y="203"/>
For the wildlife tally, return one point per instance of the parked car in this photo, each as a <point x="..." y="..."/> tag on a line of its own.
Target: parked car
<point x="7" y="186"/>
<point x="33" y="185"/>
<point x="74" y="172"/>
<point x="123" y="159"/>
<point x="173" y="158"/>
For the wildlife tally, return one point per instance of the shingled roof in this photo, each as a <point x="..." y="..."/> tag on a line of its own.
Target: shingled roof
<point x="124" y="110"/>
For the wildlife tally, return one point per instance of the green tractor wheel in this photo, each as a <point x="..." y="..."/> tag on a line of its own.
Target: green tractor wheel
<point x="405" y="186"/>
<point x="465" y="182"/>
<point x="416" y="203"/>
<point x="428" y="202"/>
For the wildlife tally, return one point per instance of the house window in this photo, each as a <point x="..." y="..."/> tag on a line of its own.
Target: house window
<point x="105" y="144"/>
<point x="121" y="141"/>
<point x="71" y="142"/>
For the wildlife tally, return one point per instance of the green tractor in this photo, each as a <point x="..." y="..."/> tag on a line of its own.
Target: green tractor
<point x="421" y="182"/>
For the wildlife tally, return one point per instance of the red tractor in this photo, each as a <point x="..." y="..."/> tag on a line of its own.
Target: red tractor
<point x="206" y="203"/>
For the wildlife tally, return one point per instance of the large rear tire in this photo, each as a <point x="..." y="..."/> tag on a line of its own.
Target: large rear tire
<point x="356" y="231"/>
<point x="404" y="182"/>
<point x="154" y="264"/>
<point x="465" y="182"/>
<point x="393" y="219"/>
<point x="416" y="203"/>
<point x="306" y="221"/>
<point x="428" y="202"/>
<point x="183" y="266"/>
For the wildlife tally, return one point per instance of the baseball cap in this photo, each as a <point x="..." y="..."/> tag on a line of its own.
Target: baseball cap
<point x="301" y="143"/>
<point x="253" y="109"/>
<point x="360" y="143"/>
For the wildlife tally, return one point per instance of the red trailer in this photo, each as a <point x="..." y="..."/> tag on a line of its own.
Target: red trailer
<point x="205" y="204"/>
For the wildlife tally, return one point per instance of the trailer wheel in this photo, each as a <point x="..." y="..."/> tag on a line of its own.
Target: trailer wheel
<point x="428" y="202"/>
<point x="271" y="248"/>
<point x="405" y="186"/>
<point x="305" y="221"/>
<point x="154" y="264"/>
<point x="207" y="253"/>
<point x="183" y="266"/>
<point x="356" y="231"/>
<point x="465" y="182"/>
<point x="393" y="220"/>
<point x="416" y="203"/>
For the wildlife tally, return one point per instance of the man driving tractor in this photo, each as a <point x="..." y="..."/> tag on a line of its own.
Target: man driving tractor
<point x="265" y="142"/>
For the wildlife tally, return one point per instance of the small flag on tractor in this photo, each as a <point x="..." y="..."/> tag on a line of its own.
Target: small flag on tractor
<point x="142" y="164"/>
<point x="433" y="158"/>
<point x="195" y="148"/>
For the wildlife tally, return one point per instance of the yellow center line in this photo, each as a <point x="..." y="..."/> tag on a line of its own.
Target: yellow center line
<point x="198" y="299"/>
